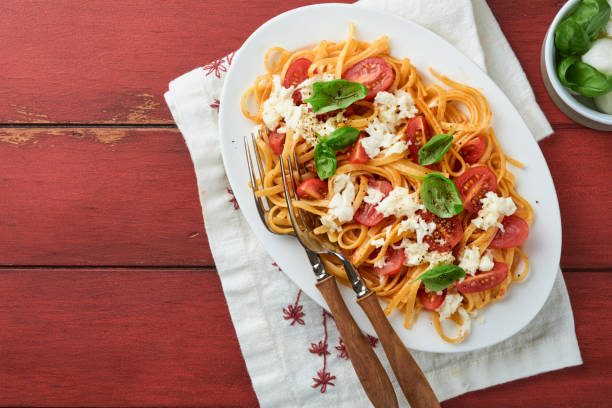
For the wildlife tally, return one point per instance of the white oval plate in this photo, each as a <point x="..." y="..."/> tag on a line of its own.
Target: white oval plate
<point x="308" y="25"/>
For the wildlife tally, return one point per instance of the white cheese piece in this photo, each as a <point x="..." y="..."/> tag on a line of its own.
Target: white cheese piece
<point x="414" y="252"/>
<point x="373" y="196"/>
<point x="493" y="207"/>
<point x="604" y="103"/>
<point x="450" y="305"/>
<point x="341" y="204"/>
<point x="304" y="123"/>
<point x="486" y="261"/>
<point x="328" y="221"/>
<point x="435" y="258"/>
<point x="600" y="56"/>
<point x="377" y="243"/>
<point x="418" y="225"/>
<point x="393" y="109"/>
<point x="470" y="259"/>
<point x="400" y="202"/>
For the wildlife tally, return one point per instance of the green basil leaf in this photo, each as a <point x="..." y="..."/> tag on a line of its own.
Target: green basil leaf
<point x="336" y="94"/>
<point x="325" y="160"/>
<point x="441" y="277"/>
<point x="571" y="38"/>
<point x="435" y="148"/>
<point x="592" y="16"/>
<point x="583" y="78"/>
<point x="342" y="138"/>
<point x="440" y="196"/>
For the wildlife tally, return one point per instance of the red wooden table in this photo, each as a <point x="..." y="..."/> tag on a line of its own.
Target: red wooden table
<point x="108" y="291"/>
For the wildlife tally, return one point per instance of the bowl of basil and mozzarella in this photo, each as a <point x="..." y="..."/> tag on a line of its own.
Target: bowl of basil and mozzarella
<point x="577" y="62"/>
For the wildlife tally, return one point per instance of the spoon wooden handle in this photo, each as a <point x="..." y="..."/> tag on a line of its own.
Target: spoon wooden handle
<point x="370" y="372"/>
<point x="410" y="377"/>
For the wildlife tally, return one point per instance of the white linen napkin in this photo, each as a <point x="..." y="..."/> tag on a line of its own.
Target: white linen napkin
<point x="291" y="346"/>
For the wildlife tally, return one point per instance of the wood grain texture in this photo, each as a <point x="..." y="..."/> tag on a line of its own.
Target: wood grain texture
<point x="411" y="379"/>
<point x="368" y="368"/>
<point x="114" y="196"/>
<point x="118" y="337"/>
<point x="99" y="197"/>
<point x="125" y="337"/>
<point x="110" y="61"/>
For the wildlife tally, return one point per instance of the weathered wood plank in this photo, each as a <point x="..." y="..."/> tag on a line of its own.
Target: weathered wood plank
<point x="114" y="196"/>
<point x="127" y="337"/>
<point x="111" y="62"/>
<point x="98" y="197"/>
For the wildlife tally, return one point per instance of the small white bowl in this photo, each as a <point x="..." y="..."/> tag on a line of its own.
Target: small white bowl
<point x="577" y="107"/>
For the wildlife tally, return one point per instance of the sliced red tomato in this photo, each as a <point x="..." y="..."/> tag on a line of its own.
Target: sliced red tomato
<point x="473" y="185"/>
<point x="447" y="234"/>
<point x="393" y="262"/>
<point x="366" y="214"/>
<point x="416" y="135"/>
<point x="431" y="300"/>
<point x="375" y="73"/>
<point x="514" y="234"/>
<point x="484" y="280"/>
<point x="358" y="154"/>
<point x="312" y="189"/>
<point x="297" y="72"/>
<point x="277" y="141"/>
<point x="473" y="150"/>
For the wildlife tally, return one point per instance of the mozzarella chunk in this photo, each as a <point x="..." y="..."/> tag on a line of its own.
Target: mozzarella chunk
<point x="600" y="56"/>
<point x="450" y="305"/>
<point x="604" y="103"/>
<point x="328" y="221"/>
<point x="414" y="253"/>
<point x="341" y="204"/>
<point x="400" y="202"/>
<point x="493" y="207"/>
<point x="382" y="135"/>
<point x="471" y="261"/>
<point x="418" y="225"/>
<point x="280" y="107"/>
<point x="373" y="196"/>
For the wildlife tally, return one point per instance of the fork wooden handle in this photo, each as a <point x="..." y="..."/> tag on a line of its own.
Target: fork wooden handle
<point x="410" y="377"/>
<point x="370" y="372"/>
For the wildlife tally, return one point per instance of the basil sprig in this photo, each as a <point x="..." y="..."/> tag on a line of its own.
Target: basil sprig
<point x="440" y="277"/>
<point x="583" y="78"/>
<point x="336" y="94"/>
<point x="440" y="196"/>
<point x="574" y="34"/>
<point x="325" y="151"/>
<point x="435" y="148"/>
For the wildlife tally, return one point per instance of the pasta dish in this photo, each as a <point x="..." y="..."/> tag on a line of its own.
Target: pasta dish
<point x="407" y="177"/>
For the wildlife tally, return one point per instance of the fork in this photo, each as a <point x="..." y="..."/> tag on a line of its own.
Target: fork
<point x="413" y="382"/>
<point x="368" y="368"/>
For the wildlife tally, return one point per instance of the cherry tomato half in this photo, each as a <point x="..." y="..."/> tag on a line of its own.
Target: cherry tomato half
<point x="472" y="151"/>
<point x="473" y="185"/>
<point x="515" y="233"/>
<point x="312" y="189"/>
<point x="393" y="262"/>
<point x="431" y="300"/>
<point x="416" y="135"/>
<point x="375" y="73"/>
<point x="366" y="214"/>
<point x="276" y="141"/>
<point x="447" y="234"/>
<point x="484" y="280"/>
<point x="297" y="72"/>
<point x="358" y="154"/>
